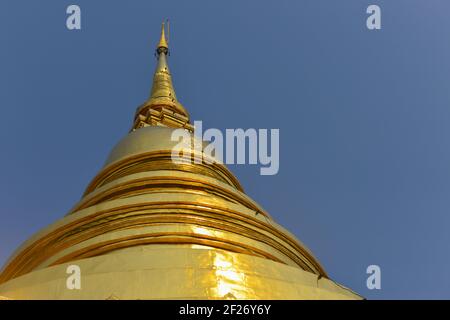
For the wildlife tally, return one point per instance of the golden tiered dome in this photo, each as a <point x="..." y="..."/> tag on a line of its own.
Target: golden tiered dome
<point x="149" y="228"/>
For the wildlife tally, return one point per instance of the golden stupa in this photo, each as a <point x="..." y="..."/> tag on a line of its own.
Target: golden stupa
<point x="149" y="228"/>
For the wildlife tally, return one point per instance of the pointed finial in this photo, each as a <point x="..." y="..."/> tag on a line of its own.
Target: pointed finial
<point x="162" y="46"/>
<point x="162" y="107"/>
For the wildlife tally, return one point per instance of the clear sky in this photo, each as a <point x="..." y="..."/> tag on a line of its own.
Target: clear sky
<point x="363" y="116"/>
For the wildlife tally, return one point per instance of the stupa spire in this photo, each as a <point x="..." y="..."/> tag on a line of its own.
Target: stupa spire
<point x="163" y="44"/>
<point x="162" y="107"/>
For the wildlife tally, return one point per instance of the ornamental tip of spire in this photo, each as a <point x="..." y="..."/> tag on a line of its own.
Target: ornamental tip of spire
<point x="163" y="46"/>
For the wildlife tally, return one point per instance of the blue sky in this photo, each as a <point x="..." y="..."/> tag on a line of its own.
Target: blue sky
<point x="363" y="116"/>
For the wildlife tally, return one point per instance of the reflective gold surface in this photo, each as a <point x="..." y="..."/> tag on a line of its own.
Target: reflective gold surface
<point x="181" y="272"/>
<point x="149" y="228"/>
